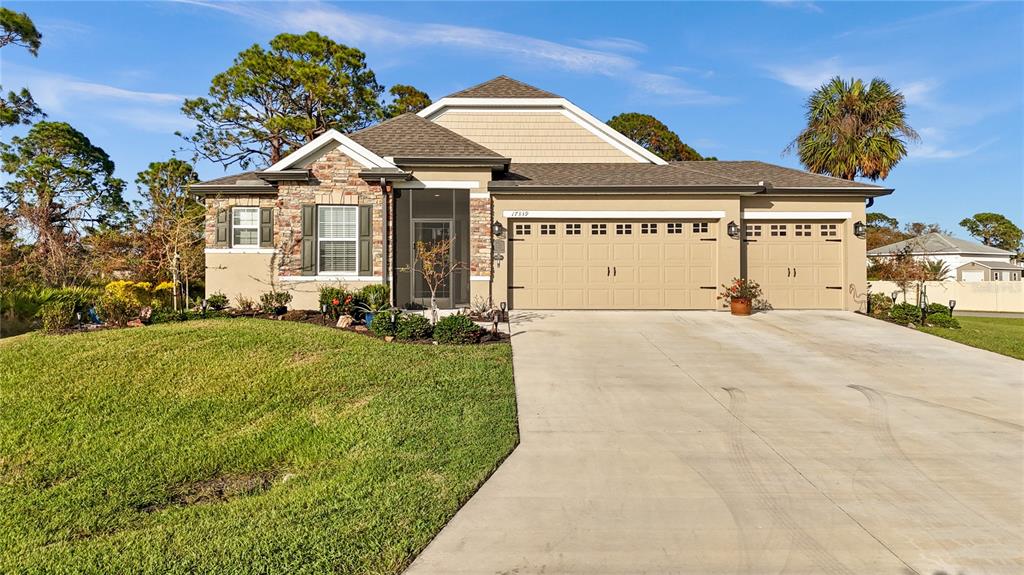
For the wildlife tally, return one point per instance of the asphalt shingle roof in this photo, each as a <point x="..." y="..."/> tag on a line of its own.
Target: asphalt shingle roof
<point x="410" y="136"/>
<point x="503" y="87"/>
<point x="752" y="172"/>
<point x="606" y="175"/>
<point x="936" y="243"/>
<point x="249" y="178"/>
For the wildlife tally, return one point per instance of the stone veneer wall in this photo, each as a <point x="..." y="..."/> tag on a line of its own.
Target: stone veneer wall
<point x="479" y="236"/>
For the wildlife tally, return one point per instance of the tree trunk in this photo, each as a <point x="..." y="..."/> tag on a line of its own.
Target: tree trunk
<point x="433" y="309"/>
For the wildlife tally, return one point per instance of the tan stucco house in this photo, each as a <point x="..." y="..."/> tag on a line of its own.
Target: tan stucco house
<point x="549" y="209"/>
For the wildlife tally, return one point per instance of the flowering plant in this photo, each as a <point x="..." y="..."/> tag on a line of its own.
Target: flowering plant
<point x="740" y="288"/>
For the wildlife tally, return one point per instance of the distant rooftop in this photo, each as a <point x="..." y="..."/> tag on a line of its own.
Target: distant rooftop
<point x="936" y="243"/>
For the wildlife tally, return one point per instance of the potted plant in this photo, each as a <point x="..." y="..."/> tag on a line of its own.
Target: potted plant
<point x="373" y="299"/>
<point x="740" y="295"/>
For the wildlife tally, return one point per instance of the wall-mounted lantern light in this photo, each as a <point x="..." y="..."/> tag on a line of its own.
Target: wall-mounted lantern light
<point x="733" y="229"/>
<point x="497" y="229"/>
<point x="860" y="230"/>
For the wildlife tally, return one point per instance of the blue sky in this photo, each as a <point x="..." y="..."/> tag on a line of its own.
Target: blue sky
<point x="729" y="77"/>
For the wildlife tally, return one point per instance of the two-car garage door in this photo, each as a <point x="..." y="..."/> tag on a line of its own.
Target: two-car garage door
<point x="612" y="264"/>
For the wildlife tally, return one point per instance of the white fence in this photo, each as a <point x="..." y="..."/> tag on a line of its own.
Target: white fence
<point x="969" y="296"/>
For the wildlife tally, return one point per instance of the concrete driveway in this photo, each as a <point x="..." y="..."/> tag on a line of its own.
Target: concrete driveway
<point x="787" y="442"/>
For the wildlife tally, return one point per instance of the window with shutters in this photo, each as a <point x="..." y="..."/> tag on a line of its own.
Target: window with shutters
<point x="245" y="227"/>
<point x="802" y="230"/>
<point x="648" y="228"/>
<point x="700" y="227"/>
<point x="829" y="230"/>
<point x="598" y="229"/>
<point x="753" y="230"/>
<point x="675" y="227"/>
<point x="777" y="230"/>
<point x="337" y="239"/>
<point x="623" y="229"/>
<point x="547" y="229"/>
<point x="572" y="229"/>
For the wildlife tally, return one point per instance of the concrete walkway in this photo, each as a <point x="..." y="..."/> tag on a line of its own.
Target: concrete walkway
<point x="787" y="442"/>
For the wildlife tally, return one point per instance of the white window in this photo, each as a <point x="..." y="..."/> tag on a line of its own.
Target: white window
<point x="245" y="227"/>
<point x="995" y="276"/>
<point x="337" y="239"/>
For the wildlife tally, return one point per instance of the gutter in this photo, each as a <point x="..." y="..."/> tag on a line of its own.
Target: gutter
<point x="626" y="189"/>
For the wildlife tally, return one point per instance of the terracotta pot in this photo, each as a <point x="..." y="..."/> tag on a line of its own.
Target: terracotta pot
<point x="740" y="306"/>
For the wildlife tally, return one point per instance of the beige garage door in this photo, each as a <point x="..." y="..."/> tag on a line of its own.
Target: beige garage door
<point x="798" y="264"/>
<point x="613" y="264"/>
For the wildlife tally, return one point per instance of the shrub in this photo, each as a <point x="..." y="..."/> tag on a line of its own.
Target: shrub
<point x="117" y="308"/>
<point x="271" y="301"/>
<point x="880" y="305"/>
<point x="740" y="288"/>
<point x="937" y="308"/>
<point x="385" y="323"/>
<point x="943" y="320"/>
<point x="339" y="301"/>
<point x="412" y="326"/>
<point x="217" y="301"/>
<point x="163" y="294"/>
<point x="57" y="316"/>
<point x="244" y="304"/>
<point x="904" y="313"/>
<point x="457" y="328"/>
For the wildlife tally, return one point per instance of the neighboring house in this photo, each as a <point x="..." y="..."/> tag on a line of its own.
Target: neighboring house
<point x="967" y="260"/>
<point x="549" y="209"/>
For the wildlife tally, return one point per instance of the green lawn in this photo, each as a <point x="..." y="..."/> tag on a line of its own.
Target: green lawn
<point x="240" y="446"/>
<point x="998" y="334"/>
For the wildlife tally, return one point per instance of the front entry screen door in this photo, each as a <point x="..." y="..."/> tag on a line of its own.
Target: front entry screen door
<point x="430" y="231"/>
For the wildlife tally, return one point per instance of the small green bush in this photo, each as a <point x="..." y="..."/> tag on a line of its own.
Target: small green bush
<point x="880" y="305"/>
<point x="412" y="326"/>
<point x="217" y="301"/>
<point x="339" y="301"/>
<point x="272" y="300"/>
<point x="904" y="313"/>
<point x="943" y="320"/>
<point x="383" y="325"/>
<point x="374" y="298"/>
<point x="57" y="316"/>
<point x="457" y="328"/>
<point x="937" y="308"/>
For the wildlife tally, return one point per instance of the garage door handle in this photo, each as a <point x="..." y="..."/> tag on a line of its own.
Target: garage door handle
<point x="789" y="272"/>
<point x="833" y="287"/>
<point x="615" y="271"/>
<point x="794" y="272"/>
<point x="609" y="273"/>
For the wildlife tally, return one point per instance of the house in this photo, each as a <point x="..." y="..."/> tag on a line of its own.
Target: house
<point x="969" y="261"/>
<point x="548" y="207"/>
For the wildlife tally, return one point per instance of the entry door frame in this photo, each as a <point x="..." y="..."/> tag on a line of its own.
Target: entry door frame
<point x="442" y="303"/>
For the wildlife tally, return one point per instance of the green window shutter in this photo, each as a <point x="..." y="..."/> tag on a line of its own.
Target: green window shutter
<point x="309" y="240"/>
<point x="223" y="228"/>
<point x="266" y="227"/>
<point x="365" y="240"/>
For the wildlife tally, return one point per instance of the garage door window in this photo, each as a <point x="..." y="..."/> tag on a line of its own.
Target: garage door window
<point x="648" y="228"/>
<point x="547" y="229"/>
<point x="778" y="230"/>
<point x="675" y="227"/>
<point x="598" y="229"/>
<point x="829" y="230"/>
<point x="700" y="227"/>
<point x="753" y="230"/>
<point x="623" y="229"/>
<point x="522" y="229"/>
<point x="572" y="229"/>
<point x="802" y="230"/>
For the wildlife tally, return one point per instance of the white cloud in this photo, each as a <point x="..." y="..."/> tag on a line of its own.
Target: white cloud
<point x="615" y="44"/>
<point x="798" y="4"/>
<point x="92" y="89"/>
<point x="597" y="56"/>
<point x="810" y="76"/>
<point x="933" y="146"/>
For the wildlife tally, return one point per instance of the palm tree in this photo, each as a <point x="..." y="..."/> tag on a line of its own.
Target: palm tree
<point x="936" y="270"/>
<point x="853" y="130"/>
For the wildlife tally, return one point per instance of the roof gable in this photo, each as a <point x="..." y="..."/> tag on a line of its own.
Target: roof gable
<point x="410" y="136"/>
<point x="502" y="87"/>
<point x="347" y="145"/>
<point x="936" y="243"/>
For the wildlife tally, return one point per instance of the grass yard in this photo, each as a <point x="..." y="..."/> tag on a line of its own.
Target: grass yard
<point x="240" y="446"/>
<point x="999" y="334"/>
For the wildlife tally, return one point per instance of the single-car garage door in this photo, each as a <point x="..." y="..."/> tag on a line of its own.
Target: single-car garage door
<point x="799" y="264"/>
<point x="612" y="264"/>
